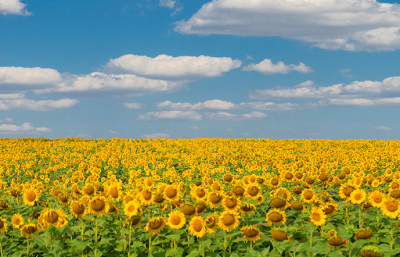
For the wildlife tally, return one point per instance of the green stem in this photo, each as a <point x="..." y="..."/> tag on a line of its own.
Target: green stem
<point x="95" y="238"/>
<point x="311" y="235"/>
<point x="391" y="235"/>
<point x="27" y="246"/>
<point x="149" y="244"/>
<point x="1" y="244"/>
<point x="130" y="236"/>
<point x="359" y="220"/>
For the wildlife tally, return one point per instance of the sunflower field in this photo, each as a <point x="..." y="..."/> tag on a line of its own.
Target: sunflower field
<point x="199" y="197"/>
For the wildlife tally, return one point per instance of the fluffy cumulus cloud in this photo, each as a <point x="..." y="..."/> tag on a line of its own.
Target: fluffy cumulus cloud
<point x="13" y="79"/>
<point x="99" y="84"/>
<point x="267" y="67"/>
<point x="350" y="25"/>
<point x="382" y="128"/>
<point x="173" y="68"/>
<point x="13" y="7"/>
<point x="26" y="127"/>
<point x="171" y="115"/>
<point x="156" y="135"/>
<point x="225" y="116"/>
<point x="209" y="104"/>
<point x="42" y="105"/>
<point x="167" y="3"/>
<point x="6" y="120"/>
<point x="132" y="105"/>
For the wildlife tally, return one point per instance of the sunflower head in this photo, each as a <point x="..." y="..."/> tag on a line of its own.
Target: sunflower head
<point x="176" y="220"/>
<point x="30" y="196"/>
<point x="197" y="226"/>
<point x="99" y="205"/>
<point x="3" y="225"/>
<point x="211" y="223"/>
<point x="133" y="208"/>
<point x="29" y="229"/>
<point x="336" y="241"/>
<point x="17" y="220"/>
<point x="364" y="234"/>
<point x="228" y="220"/>
<point x="276" y="217"/>
<point x="317" y="216"/>
<point x="77" y="209"/>
<point x="251" y="233"/>
<point x="279" y="234"/>
<point x="155" y="225"/>
<point x="371" y="251"/>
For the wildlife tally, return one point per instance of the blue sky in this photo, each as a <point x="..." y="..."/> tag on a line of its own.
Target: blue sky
<point x="187" y="69"/>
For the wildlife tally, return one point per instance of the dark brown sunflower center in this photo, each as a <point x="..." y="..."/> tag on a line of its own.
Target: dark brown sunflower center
<point x="395" y="193"/>
<point x="98" y="205"/>
<point x="114" y="193"/>
<point x="278" y="202"/>
<point x="251" y="232"/>
<point x="392" y="206"/>
<point x="297" y="206"/>
<point x="228" y="177"/>
<point x="171" y="192"/>
<point x="176" y="220"/>
<point x="146" y="195"/>
<point x="252" y="191"/>
<point x="1" y="224"/>
<point x="348" y="190"/>
<point x="159" y="198"/>
<point x="63" y="198"/>
<point x="377" y="199"/>
<point x="288" y="175"/>
<point x="200" y="192"/>
<point x="274" y="182"/>
<point x="89" y="190"/>
<point x="214" y="198"/>
<point x="155" y="224"/>
<point x="188" y="209"/>
<point x="231" y="202"/>
<point x="279" y="235"/>
<point x="336" y="241"/>
<point x="228" y="219"/>
<point x="52" y="217"/>
<point x="197" y="225"/>
<point x="238" y="190"/>
<point x="329" y="209"/>
<point x="31" y="196"/>
<point x="364" y="234"/>
<point x="275" y="216"/>
<point x="308" y="195"/>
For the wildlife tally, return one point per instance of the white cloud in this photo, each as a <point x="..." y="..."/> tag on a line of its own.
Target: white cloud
<point x="11" y="96"/>
<point x="98" y="84"/>
<point x="13" y="7"/>
<point x="42" y="105"/>
<point x="224" y="116"/>
<point x="267" y="67"/>
<point x="209" y="104"/>
<point x="20" y="78"/>
<point x="113" y="132"/>
<point x="173" y="68"/>
<point x="133" y="105"/>
<point x="6" y="120"/>
<point x="350" y="25"/>
<point x="26" y="127"/>
<point x="270" y="106"/>
<point x="194" y="128"/>
<point x="170" y="115"/>
<point x="156" y="135"/>
<point x="167" y="3"/>
<point x="382" y="128"/>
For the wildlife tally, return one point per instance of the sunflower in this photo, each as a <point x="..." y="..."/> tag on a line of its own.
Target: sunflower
<point x="228" y="178"/>
<point x="77" y="209"/>
<point x="214" y="199"/>
<point x="274" y="182"/>
<point x="63" y="199"/>
<point x="189" y="210"/>
<point x="89" y="189"/>
<point x="330" y="209"/>
<point x="3" y="225"/>
<point x="199" y="193"/>
<point x="197" y="226"/>
<point x="390" y="207"/>
<point x="317" y="216"/>
<point x="253" y="191"/>
<point x="371" y="251"/>
<point x="159" y="199"/>
<point x="364" y="234"/>
<point x="358" y="196"/>
<point x="155" y="225"/>
<point x="132" y="209"/>
<point x="238" y="191"/>
<point x="17" y="220"/>
<point x="211" y="223"/>
<point x="146" y="197"/>
<point x="282" y="193"/>
<point x="50" y="216"/>
<point x="176" y="220"/>
<point x="113" y="208"/>
<point x="279" y="234"/>
<point x="376" y="198"/>
<point x="279" y="203"/>
<point x="29" y="229"/>
<point x="276" y="217"/>
<point x="30" y="196"/>
<point x="231" y="203"/>
<point x="171" y="193"/>
<point x="336" y="241"/>
<point x="251" y="233"/>
<point x="134" y="221"/>
<point x="345" y="191"/>
<point x="375" y="183"/>
<point x="247" y="209"/>
<point x="228" y="221"/>
<point x="113" y="192"/>
<point x="297" y="206"/>
<point x="308" y="195"/>
<point x="99" y="205"/>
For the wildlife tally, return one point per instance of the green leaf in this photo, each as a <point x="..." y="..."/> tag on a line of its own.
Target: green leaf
<point x="175" y="237"/>
<point x="206" y="243"/>
<point x="80" y="245"/>
<point x="193" y="253"/>
<point x="40" y="241"/>
<point x="234" y="255"/>
<point x="344" y="234"/>
<point x="137" y="244"/>
<point x="252" y="253"/>
<point x="175" y="252"/>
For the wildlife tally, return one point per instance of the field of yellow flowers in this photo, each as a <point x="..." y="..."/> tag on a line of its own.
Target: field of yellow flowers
<point x="199" y="197"/>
